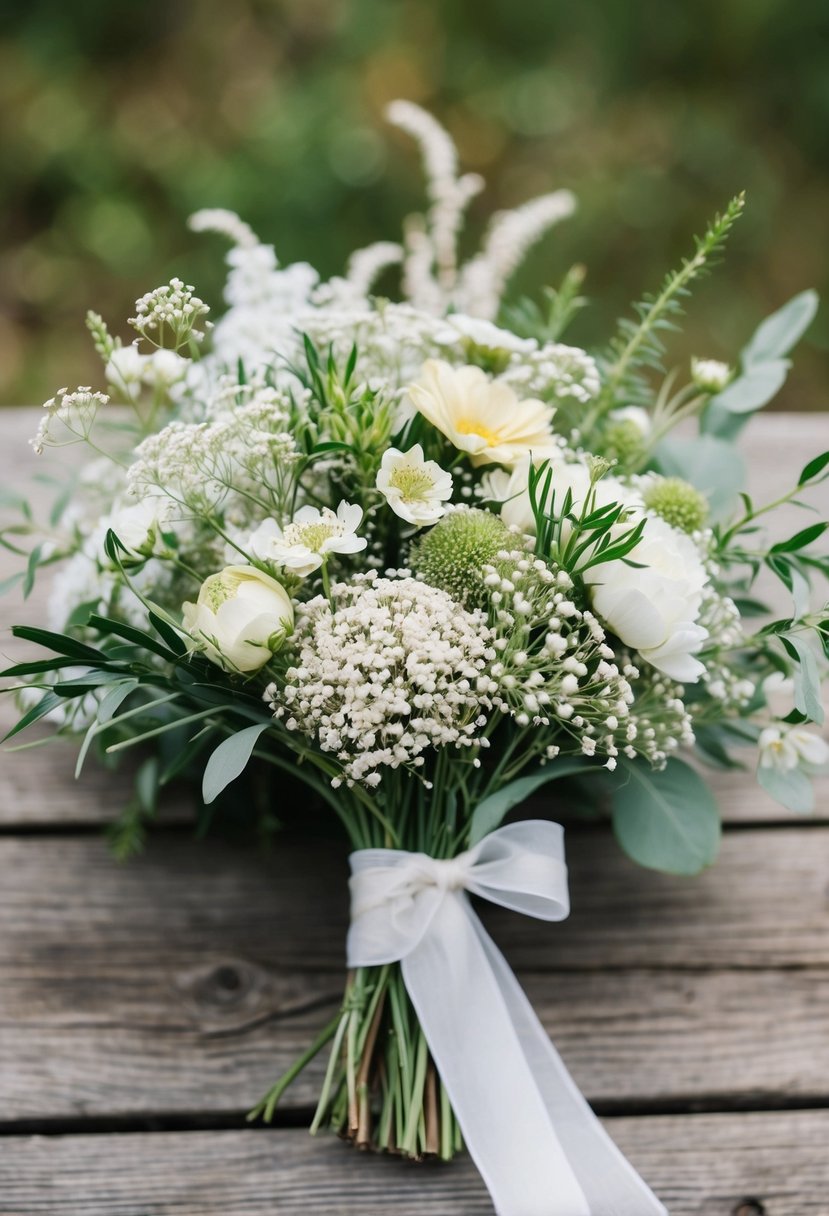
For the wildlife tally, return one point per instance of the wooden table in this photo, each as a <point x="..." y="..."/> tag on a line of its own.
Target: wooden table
<point x="144" y="1007"/>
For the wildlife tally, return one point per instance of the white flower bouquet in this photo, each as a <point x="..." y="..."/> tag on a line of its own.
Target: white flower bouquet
<point x="422" y="559"/>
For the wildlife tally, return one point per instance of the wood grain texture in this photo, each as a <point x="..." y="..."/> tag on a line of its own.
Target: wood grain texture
<point x="703" y="1165"/>
<point x="763" y="905"/>
<point x="189" y="979"/>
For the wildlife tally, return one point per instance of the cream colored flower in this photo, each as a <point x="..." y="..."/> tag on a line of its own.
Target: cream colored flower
<point x="481" y="416"/>
<point x="241" y="618"/>
<point x="786" y="748"/>
<point x="415" y="489"/>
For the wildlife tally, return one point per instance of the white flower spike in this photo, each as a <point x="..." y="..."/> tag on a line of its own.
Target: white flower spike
<point x="416" y="489"/>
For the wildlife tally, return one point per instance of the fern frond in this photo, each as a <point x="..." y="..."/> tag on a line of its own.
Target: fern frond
<point x="638" y="344"/>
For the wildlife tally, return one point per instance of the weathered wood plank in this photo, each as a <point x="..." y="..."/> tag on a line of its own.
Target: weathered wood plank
<point x="763" y="905"/>
<point x="704" y="1165"/>
<point x="211" y="1036"/>
<point x="189" y="979"/>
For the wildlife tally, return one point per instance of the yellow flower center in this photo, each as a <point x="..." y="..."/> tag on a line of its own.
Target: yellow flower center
<point x="413" y="483"/>
<point x="313" y="536"/>
<point x="467" y="426"/>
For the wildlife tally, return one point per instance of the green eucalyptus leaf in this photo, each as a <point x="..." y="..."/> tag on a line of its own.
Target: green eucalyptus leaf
<point x="229" y="760"/>
<point x="791" y="789"/>
<point x="709" y="463"/>
<point x="754" y="388"/>
<point x="490" y="813"/>
<point x="666" y="820"/>
<point x="806" y="677"/>
<point x="776" y="336"/>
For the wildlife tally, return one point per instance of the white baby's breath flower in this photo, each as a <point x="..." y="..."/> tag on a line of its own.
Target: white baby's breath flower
<point x="481" y="416"/>
<point x="308" y="540"/>
<point x="710" y="374"/>
<point x="789" y="747"/>
<point x="483" y="334"/>
<point x="242" y="616"/>
<point x="415" y="489"/>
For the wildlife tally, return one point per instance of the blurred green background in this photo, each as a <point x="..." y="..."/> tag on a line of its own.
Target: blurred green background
<point x="119" y="119"/>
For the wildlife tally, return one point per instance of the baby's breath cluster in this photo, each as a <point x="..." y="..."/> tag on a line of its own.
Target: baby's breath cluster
<point x="387" y="669"/>
<point x="169" y="315"/>
<point x="68" y="413"/>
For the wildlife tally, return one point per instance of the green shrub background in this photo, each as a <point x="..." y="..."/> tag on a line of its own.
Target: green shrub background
<point x="118" y="119"/>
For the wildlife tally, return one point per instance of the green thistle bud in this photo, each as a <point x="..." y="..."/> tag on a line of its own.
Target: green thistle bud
<point x="624" y="441"/>
<point x="678" y="503"/>
<point x="452" y="555"/>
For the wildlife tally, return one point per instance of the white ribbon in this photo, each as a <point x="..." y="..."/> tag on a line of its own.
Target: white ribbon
<point x="537" y="1144"/>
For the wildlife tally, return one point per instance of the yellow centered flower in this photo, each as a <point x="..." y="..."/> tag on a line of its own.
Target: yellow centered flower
<point x="416" y="489"/>
<point x="481" y="416"/>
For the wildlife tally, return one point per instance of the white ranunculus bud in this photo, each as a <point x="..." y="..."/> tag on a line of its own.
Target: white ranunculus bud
<point x="138" y="525"/>
<point x="241" y="618"/>
<point x="125" y="369"/>
<point x="653" y="606"/>
<point x="710" y="374"/>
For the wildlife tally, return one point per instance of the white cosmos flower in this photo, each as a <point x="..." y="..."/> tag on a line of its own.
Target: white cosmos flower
<point x="786" y="748"/>
<point x="481" y="416"/>
<point x="654" y="606"/>
<point x="415" y="489"/>
<point x="311" y="536"/>
<point x="242" y="616"/>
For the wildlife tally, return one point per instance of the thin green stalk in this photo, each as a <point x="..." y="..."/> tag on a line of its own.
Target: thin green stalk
<point x="267" y="1105"/>
<point x="328" y="1081"/>
<point x="415" y="1109"/>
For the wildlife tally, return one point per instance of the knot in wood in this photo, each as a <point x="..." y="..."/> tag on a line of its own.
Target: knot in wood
<point x="749" y="1207"/>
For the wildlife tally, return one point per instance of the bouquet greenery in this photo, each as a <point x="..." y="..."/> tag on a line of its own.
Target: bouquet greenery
<point x="424" y="558"/>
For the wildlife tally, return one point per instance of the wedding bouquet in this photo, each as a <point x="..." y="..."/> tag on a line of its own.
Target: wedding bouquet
<point x="425" y="558"/>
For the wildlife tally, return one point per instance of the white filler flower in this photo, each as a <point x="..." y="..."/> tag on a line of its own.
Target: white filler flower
<point x="787" y="748"/>
<point x="710" y="374"/>
<point x="241" y="618"/>
<point x="308" y="540"/>
<point x="480" y="416"/>
<point x="415" y="489"/>
<point x="654" y="606"/>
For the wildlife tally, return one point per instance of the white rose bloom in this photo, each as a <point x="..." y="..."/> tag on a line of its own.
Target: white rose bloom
<point x="415" y="489"/>
<point x="481" y="416"/>
<point x="125" y="369"/>
<point x="308" y="540"/>
<point x="139" y="524"/>
<point x="241" y="618"/>
<point x="512" y="491"/>
<point x="789" y="747"/>
<point x="654" y="606"/>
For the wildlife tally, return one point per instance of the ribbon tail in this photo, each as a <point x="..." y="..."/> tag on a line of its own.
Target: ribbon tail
<point x="610" y="1183"/>
<point x="534" y="1139"/>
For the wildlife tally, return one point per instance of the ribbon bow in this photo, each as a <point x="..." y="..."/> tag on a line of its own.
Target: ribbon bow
<point x="536" y="1143"/>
